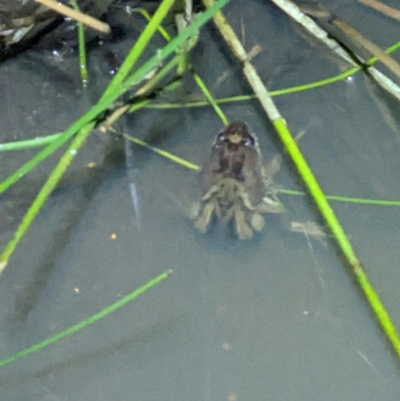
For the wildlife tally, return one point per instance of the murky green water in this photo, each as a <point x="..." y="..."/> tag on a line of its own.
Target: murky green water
<point x="277" y="318"/>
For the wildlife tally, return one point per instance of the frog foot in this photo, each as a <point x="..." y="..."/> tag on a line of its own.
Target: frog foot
<point x="202" y="222"/>
<point x="257" y="222"/>
<point x="269" y="205"/>
<point x="243" y="230"/>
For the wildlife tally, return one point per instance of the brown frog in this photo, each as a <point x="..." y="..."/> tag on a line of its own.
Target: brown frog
<point x="235" y="185"/>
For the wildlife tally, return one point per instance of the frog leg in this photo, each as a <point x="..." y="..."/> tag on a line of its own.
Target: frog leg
<point x="211" y="192"/>
<point x="243" y="230"/>
<point x="270" y="204"/>
<point x="244" y="196"/>
<point x="257" y="221"/>
<point x="203" y="221"/>
<point x="194" y="210"/>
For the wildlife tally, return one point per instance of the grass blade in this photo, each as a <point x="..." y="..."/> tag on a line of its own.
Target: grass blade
<point x="90" y="320"/>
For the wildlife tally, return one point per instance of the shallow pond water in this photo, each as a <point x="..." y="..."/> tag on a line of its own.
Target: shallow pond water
<point x="278" y="317"/>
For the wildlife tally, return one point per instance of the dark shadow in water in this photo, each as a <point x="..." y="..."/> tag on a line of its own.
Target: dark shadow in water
<point x="29" y="296"/>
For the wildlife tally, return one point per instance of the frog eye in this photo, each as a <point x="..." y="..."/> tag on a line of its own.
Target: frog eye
<point x="249" y="141"/>
<point x="221" y="137"/>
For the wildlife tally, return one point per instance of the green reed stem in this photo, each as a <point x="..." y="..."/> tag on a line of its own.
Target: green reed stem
<point x="107" y="99"/>
<point x="162" y="73"/>
<point x="144" y="13"/>
<point x="44" y="193"/>
<point x="338" y="232"/>
<point x="192" y="166"/>
<point x="82" y="48"/>
<point x="90" y="320"/>
<point x="167" y="155"/>
<point x="347" y="199"/>
<point x="307" y="176"/>
<point x="85" y="124"/>
<point x="140" y="45"/>
<point x="57" y="141"/>
<point x="37" y="142"/>
<point x="102" y="105"/>
<point x="218" y="111"/>
<point x="200" y="83"/>
<point x="29" y="143"/>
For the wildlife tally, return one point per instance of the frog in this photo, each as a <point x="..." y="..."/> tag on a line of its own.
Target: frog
<point x="236" y="186"/>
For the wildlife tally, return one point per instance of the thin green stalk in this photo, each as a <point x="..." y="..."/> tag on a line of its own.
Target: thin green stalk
<point x="192" y="166"/>
<point x="164" y="153"/>
<point x="81" y="125"/>
<point x="60" y="139"/>
<point x="90" y="320"/>
<point x="337" y="230"/>
<point x="389" y="50"/>
<point x="44" y="193"/>
<point x="197" y="78"/>
<point x="338" y="198"/>
<point x="316" y="191"/>
<point x="82" y="48"/>
<point x="144" y="90"/>
<point x="308" y="177"/>
<point x="140" y="45"/>
<point x="183" y="162"/>
<point x="152" y="82"/>
<point x="241" y="98"/>
<point x="280" y="92"/>
<point x="57" y="173"/>
<point x="290" y="8"/>
<point x="107" y="100"/>
<point x="29" y="143"/>
<point x="37" y="142"/>
<point x="32" y="163"/>
<point x="142" y="71"/>
<point x="112" y="89"/>
<point x="144" y="13"/>
<point x="210" y="98"/>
